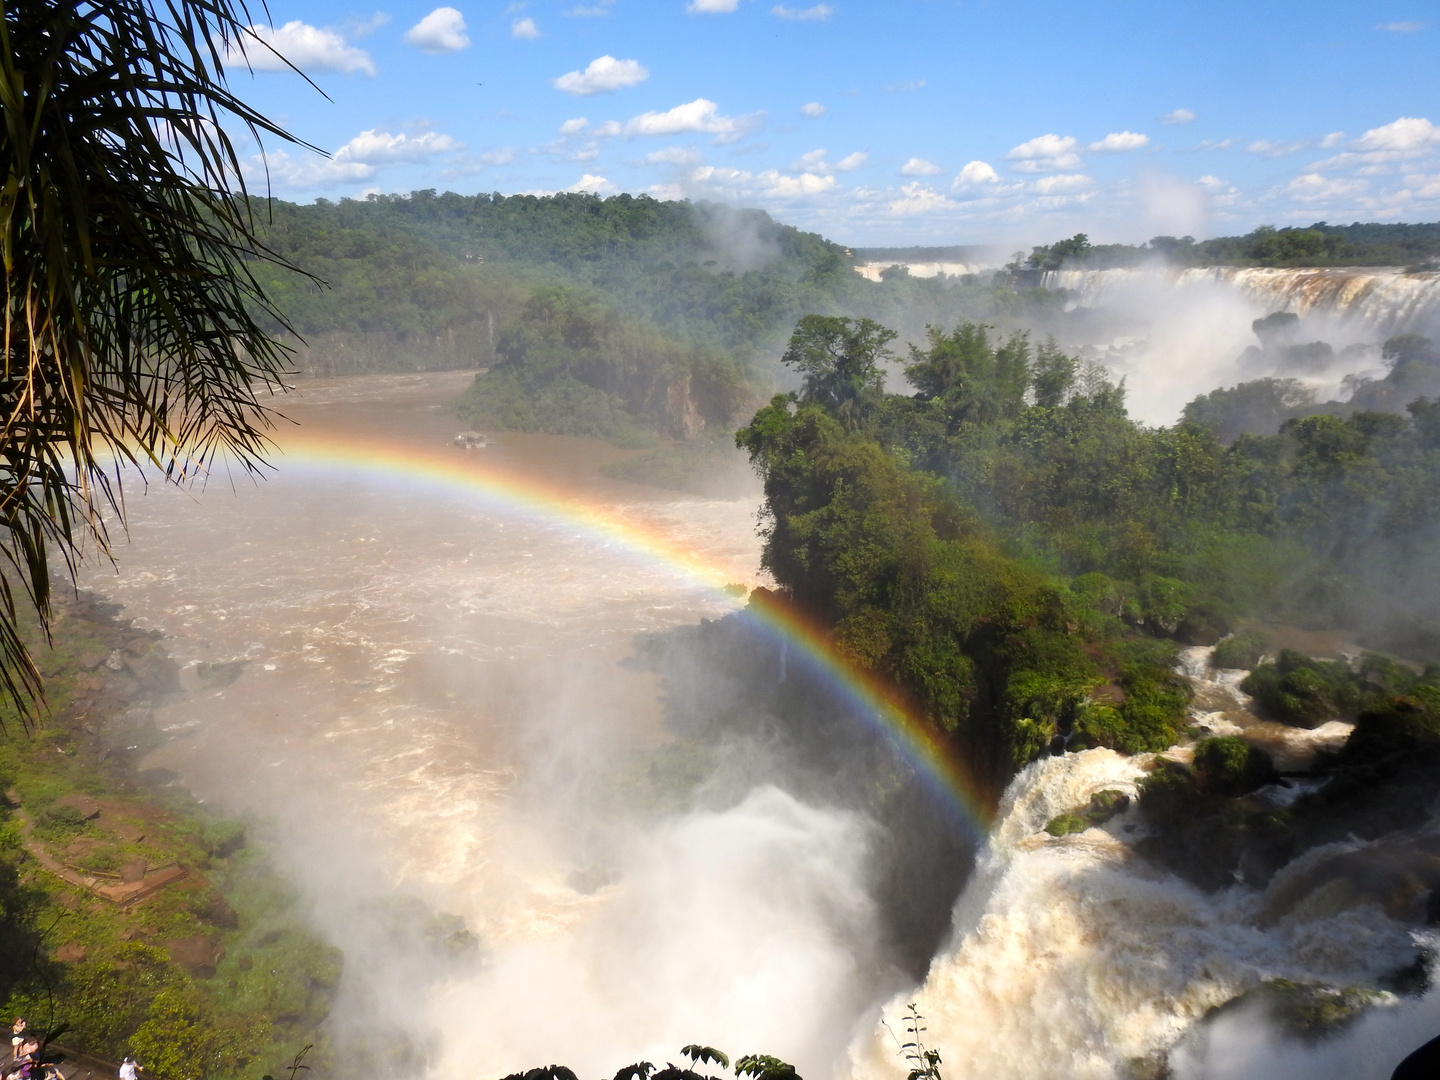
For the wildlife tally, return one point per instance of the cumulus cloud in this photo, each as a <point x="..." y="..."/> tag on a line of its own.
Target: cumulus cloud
<point x="524" y="29"/>
<point x="1335" y="138"/>
<point x="574" y="126"/>
<point x="711" y="7"/>
<point x="442" y="31"/>
<point x="818" y="13"/>
<point x="1401" y="27"/>
<point x="976" y="172"/>
<point x="355" y="162"/>
<point x="812" y="109"/>
<point x="675" y="155"/>
<point x="1179" y="116"/>
<point x="1407" y="134"/>
<point x="1118" y="142"/>
<point x="1045" y="153"/>
<point x="604" y="75"/>
<point x="309" y="48"/>
<point x="382" y="148"/>
<point x="780" y="186"/>
<point x="918" y="198"/>
<point x="814" y="162"/>
<point x="1271" y="148"/>
<point x="589" y="182"/>
<point x="920" y="167"/>
<point x="700" y="117"/>
<point x="1062" y="183"/>
<point x="1312" y="188"/>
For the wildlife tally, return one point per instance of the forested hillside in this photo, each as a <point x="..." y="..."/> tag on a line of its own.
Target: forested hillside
<point x="598" y="316"/>
<point x="1011" y="548"/>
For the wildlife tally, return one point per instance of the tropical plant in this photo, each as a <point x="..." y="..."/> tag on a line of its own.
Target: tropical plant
<point x="130" y="323"/>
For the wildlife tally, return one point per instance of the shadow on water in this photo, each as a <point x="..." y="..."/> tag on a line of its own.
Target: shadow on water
<point x="731" y="699"/>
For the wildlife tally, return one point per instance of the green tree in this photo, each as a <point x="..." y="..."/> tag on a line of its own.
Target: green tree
<point x="131" y="307"/>
<point x="841" y="360"/>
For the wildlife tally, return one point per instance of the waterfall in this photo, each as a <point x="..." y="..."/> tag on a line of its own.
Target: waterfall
<point x="1074" y="958"/>
<point x="1384" y="301"/>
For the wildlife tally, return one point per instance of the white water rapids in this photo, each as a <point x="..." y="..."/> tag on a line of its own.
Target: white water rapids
<point x="433" y="689"/>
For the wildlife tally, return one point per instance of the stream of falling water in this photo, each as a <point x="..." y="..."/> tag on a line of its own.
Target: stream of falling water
<point x="1073" y="957"/>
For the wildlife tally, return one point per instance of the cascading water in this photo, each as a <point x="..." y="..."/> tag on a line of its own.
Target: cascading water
<point x="1074" y="958"/>
<point x="1378" y="302"/>
<point x="1176" y="334"/>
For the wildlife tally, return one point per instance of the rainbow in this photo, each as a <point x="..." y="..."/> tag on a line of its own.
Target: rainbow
<point x="453" y="473"/>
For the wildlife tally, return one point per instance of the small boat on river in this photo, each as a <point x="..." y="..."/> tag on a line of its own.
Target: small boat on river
<point x="470" y="440"/>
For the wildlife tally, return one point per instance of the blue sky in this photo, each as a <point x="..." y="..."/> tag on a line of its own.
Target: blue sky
<point x="905" y="122"/>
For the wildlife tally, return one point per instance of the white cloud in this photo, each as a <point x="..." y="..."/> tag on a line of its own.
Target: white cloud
<point x="790" y="187"/>
<point x="1401" y="27"/>
<point x="1179" y="116"/>
<point x="604" y="75"/>
<point x="442" y="31"/>
<point x="675" y="155"/>
<point x="1273" y="148"/>
<point x="309" y="48"/>
<point x="574" y="126"/>
<point x="699" y="116"/>
<point x="711" y="7"/>
<point x="1045" y="153"/>
<point x="976" y="172"/>
<point x="812" y="109"/>
<point x="355" y="162"/>
<point x="904" y="87"/>
<point x="814" y="161"/>
<point x="1062" y="183"/>
<point x="589" y="182"/>
<point x="920" y="199"/>
<point x="381" y="148"/>
<point x="1335" y="138"/>
<point x="1117" y="142"/>
<point x="1312" y="188"/>
<point x="818" y="13"/>
<point x="589" y="152"/>
<point x="920" y="167"/>
<point x="525" y="29"/>
<point x="1407" y="134"/>
<point x="1212" y="144"/>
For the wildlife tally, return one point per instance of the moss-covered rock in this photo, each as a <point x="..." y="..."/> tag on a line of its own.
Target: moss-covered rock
<point x="1229" y="766"/>
<point x="1302" y="692"/>
<point x="1306" y="1011"/>
<point x="1241" y="650"/>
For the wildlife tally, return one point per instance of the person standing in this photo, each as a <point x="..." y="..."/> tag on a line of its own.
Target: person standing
<point x="129" y="1070"/>
<point x="17" y="1036"/>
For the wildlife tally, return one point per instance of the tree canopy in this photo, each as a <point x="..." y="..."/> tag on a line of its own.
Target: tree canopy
<point x="131" y="329"/>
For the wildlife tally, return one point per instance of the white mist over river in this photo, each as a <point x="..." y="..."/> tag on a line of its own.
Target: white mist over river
<point x="434" y="685"/>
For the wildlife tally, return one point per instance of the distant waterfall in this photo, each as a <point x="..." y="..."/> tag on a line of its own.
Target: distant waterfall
<point x="1384" y="300"/>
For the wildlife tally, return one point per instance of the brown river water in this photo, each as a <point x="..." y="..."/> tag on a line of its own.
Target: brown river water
<point x="432" y="681"/>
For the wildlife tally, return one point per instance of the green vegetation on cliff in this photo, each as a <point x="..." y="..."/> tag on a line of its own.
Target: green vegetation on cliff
<point x="1021" y="557"/>
<point x="128" y="913"/>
